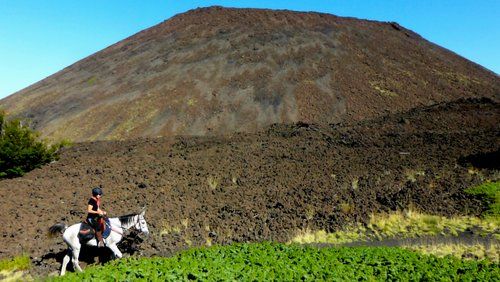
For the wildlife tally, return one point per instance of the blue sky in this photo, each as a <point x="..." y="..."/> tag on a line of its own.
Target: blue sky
<point x="41" y="37"/>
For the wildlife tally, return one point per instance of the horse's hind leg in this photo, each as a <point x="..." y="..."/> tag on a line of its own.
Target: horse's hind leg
<point x="65" y="262"/>
<point x="76" y="253"/>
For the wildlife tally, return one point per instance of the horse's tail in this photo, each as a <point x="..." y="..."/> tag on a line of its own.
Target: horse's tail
<point x="57" y="228"/>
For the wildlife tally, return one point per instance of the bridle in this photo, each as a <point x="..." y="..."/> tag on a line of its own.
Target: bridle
<point x="139" y="221"/>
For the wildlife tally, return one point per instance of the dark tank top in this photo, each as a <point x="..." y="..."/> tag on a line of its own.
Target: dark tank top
<point x="95" y="206"/>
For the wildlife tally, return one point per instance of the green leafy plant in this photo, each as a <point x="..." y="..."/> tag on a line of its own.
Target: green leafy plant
<point x="21" y="149"/>
<point x="490" y="193"/>
<point x="273" y="261"/>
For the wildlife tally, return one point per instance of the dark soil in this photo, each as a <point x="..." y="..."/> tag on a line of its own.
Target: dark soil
<point x="262" y="186"/>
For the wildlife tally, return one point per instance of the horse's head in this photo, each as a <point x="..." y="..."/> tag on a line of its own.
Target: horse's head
<point x="141" y="225"/>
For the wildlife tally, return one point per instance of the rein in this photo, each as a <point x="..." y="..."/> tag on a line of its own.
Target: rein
<point x="116" y="230"/>
<point x="120" y="231"/>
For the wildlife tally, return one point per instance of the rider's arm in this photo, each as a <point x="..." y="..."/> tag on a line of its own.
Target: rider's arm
<point x="90" y="210"/>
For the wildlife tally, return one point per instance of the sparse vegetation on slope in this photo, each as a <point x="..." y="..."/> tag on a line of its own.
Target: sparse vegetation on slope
<point x="247" y="69"/>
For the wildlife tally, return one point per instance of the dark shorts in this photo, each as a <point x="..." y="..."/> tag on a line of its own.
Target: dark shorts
<point x="94" y="222"/>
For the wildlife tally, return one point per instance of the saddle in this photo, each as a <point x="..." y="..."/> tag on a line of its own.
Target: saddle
<point x="87" y="232"/>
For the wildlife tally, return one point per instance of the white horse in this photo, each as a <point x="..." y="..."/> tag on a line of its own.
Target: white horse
<point x="118" y="225"/>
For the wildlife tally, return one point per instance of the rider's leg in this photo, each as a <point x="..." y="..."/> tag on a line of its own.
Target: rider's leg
<point x="96" y="224"/>
<point x="100" y="240"/>
<point x="98" y="232"/>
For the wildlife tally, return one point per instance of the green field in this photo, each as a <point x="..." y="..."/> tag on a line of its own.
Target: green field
<point x="273" y="261"/>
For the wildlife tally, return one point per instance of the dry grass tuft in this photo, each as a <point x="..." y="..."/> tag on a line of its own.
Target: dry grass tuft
<point x="407" y="224"/>
<point x="464" y="251"/>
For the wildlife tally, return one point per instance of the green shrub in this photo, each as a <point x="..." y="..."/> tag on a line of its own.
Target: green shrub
<point x="21" y="150"/>
<point x="17" y="263"/>
<point x="490" y="193"/>
<point x="271" y="262"/>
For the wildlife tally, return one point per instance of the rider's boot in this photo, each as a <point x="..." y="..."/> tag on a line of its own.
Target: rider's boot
<point x="100" y="240"/>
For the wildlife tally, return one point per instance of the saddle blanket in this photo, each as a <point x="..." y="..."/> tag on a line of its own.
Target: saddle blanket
<point x="87" y="232"/>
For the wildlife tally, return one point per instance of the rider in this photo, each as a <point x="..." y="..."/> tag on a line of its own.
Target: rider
<point x="95" y="214"/>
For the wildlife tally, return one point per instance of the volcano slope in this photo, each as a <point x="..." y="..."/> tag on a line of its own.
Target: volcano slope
<point x="217" y="70"/>
<point x="260" y="186"/>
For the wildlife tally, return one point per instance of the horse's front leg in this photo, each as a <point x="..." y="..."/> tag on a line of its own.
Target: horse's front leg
<point x="115" y="250"/>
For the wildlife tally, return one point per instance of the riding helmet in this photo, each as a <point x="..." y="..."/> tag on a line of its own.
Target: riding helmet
<point x="96" y="191"/>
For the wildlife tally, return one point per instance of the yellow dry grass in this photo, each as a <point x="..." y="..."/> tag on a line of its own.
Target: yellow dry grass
<point x="473" y="251"/>
<point x="401" y="224"/>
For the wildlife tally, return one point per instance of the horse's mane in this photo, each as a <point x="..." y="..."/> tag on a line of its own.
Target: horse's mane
<point x="127" y="219"/>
